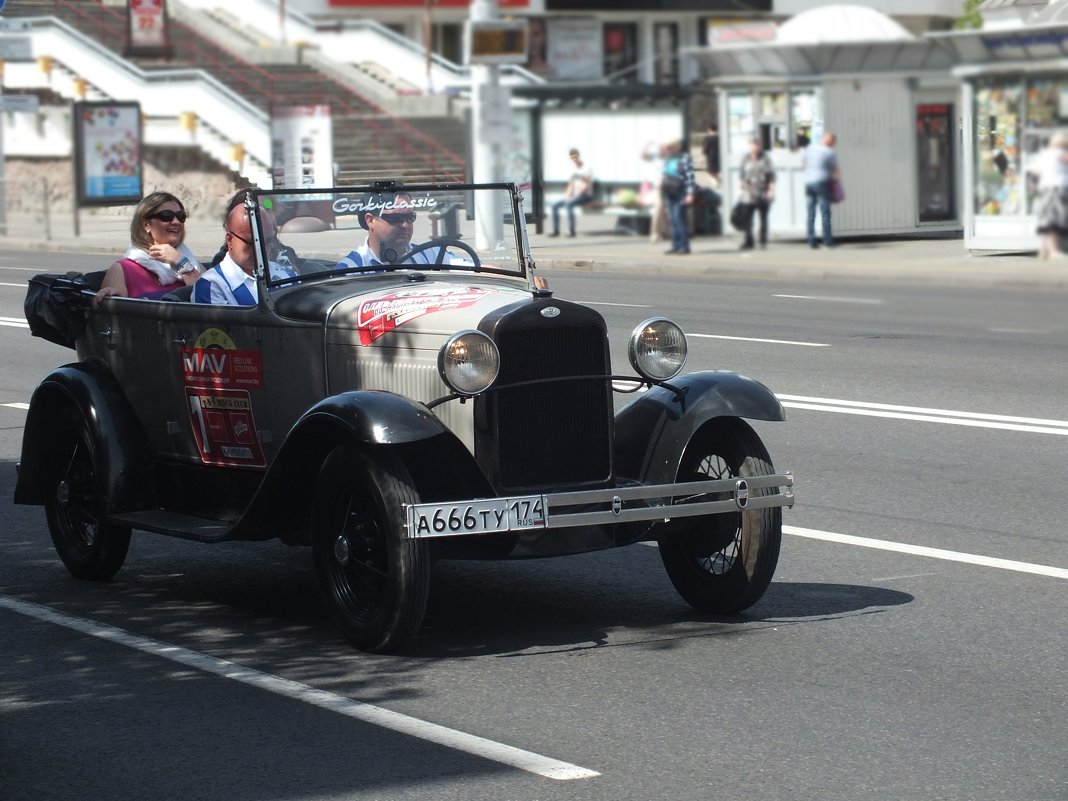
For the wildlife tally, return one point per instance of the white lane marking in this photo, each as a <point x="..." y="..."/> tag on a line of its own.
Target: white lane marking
<point x="14" y="322"/>
<point x="20" y="286"/>
<point x="16" y="405"/>
<point x="606" y="303"/>
<point x="769" y="341"/>
<point x="1032" y="425"/>
<point x="933" y="553"/>
<point x="833" y="299"/>
<point x="1016" y="331"/>
<point x="394" y="721"/>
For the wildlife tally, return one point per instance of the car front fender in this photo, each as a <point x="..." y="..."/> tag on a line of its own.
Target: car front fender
<point x="652" y="431"/>
<point x="368" y="419"/>
<point x="90" y="392"/>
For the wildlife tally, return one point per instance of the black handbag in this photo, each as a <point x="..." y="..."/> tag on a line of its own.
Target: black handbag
<point x="55" y="306"/>
<point x="740" y="216"/>
<point x="672" y="185"/>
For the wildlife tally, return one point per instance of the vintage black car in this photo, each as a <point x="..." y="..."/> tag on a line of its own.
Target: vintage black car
<point x="431" y="400"/>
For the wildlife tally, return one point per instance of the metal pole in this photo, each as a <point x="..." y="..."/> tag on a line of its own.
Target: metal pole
<point x="47" y="210"/>
<point x="3" y="180"/>
<point x="485" y="151"/>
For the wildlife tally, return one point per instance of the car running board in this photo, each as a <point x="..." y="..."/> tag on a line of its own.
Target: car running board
<point x="174" y="524"/>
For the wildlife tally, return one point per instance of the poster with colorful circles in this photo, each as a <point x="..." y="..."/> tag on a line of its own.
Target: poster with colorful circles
<point x="108" y="139"/>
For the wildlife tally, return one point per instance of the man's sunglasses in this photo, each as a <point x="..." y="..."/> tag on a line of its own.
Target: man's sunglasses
<point x="168" y="216"/>
<point x="398" y="219"/>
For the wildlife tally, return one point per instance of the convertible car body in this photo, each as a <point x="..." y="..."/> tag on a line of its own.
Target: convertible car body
<point x="431" y="403"/>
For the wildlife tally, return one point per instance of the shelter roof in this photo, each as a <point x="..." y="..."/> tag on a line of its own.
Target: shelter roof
<point x="840" y="23"/>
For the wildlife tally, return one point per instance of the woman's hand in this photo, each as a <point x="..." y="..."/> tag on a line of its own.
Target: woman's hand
<point x="166" y="253"/>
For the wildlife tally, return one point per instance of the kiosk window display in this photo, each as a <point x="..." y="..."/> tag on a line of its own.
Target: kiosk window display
<point x="1014" y="119"/>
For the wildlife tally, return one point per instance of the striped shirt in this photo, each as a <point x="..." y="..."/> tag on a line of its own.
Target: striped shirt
<point x="363" y="258"/>
<point x="226" y="284"/>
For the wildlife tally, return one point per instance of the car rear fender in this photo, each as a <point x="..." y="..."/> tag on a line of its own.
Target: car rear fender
<point x="653" y="430"/>
<point x="439" y="463"/>
<point x="87" y="391"/>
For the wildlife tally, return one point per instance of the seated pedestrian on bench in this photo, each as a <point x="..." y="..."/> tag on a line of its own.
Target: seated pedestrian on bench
<point x="579" y="191"/>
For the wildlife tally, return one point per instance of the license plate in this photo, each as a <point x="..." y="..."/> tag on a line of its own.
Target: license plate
<point x="489" y="516"/>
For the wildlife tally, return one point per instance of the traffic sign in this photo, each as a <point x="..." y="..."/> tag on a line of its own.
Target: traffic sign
<point x="16" y="48"/>
<point x="18" y="103"/>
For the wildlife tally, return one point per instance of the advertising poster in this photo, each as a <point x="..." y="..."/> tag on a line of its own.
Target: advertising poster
<point x="575" y="48"/>
<point x="302" y="147"/>
<point x="147" y="28"/>
<point x="107" y="142"/>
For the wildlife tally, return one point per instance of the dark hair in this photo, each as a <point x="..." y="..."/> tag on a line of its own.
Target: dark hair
<point x="373" y="201"/>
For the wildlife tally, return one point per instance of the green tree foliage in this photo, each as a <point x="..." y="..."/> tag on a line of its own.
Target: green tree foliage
<point x="971" y="17"/>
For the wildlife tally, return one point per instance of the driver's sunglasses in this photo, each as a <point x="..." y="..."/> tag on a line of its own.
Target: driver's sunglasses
<point x="246" y="241"/>
<point x="398" y="219"/>
<point x="168" y="216"/>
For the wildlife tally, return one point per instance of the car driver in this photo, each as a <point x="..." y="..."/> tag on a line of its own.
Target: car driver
<point x="389" y="221"/>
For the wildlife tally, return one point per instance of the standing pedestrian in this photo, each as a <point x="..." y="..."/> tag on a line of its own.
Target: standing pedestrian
<point x="756" y="187"/>
<point x="1051" y="205"/>
<point x="821" y="167"/>
<point x="653" y="156"/>
<point x="677" y="187"/>
<point x="579" y="191"/>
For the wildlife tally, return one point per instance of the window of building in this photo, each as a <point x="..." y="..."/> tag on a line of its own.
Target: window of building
<point x="806" y="117"/>
<point x="621" y="52"/>
<point x="998" y="109"/>
<point x="666" y="52"/>
<point x="447" y="40"/>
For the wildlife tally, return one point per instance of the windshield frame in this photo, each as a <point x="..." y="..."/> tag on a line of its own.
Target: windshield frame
<point x="521" y="264"/>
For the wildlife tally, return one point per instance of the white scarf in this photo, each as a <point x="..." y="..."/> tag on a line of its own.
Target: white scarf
<point x="164" y="273"/>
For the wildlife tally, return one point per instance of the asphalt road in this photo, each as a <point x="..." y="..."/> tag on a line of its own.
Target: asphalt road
<point x="912" y="645"/>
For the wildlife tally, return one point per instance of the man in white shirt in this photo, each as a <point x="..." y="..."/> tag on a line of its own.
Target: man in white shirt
<point x="389" y="221"/>
<point x="231" y="282"/>
<point x="579" y="192"/>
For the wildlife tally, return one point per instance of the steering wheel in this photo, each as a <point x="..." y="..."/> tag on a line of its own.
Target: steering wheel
<point x="442" y="245"/>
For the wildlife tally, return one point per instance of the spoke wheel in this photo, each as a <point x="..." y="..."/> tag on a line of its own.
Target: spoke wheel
<point x="90" y="547"/>
<point x="374" y="580"/>
<point x="723" y="563"/>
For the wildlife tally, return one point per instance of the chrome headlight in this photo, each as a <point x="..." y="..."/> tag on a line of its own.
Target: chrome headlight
<point x="469" y="362"/>
<point x="657" y="349"/>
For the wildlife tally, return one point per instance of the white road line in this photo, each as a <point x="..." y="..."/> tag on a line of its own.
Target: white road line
<point x="606" y="303"/>
<point x="413" y="727"/>
<point x="769" y="341"/>
<point x="833" y="299"/>
<point x="934" y="553"/>
<point x="20" y="286"/>
<point x="16" y="405"/>
<point x="1030" y="425"/>
<point x="11" y="322"/>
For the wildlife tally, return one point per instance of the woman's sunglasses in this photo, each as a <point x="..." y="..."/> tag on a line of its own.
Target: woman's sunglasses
<point x="168" y="216"/>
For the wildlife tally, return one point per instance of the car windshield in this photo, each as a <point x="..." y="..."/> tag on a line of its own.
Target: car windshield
<point x="316" y="234"/>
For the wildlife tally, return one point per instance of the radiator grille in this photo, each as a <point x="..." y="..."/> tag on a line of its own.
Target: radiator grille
<point x="559" y="432"/>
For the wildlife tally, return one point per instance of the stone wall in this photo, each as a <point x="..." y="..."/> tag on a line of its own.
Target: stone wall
<point x="203" y="185"/>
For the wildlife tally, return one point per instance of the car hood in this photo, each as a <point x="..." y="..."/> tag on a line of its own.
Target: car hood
<point x="419" y="314"/>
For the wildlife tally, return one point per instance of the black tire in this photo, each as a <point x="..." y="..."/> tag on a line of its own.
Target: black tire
<point x="722" y="564"/>
<point x="374" y="580"/>
<point x="90" y="547"/>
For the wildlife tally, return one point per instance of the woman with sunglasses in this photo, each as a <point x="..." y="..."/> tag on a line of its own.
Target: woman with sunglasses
<point x="157" y="261"/>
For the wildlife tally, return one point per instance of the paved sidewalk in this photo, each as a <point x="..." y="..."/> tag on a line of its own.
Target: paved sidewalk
<point x="914" y="261"/>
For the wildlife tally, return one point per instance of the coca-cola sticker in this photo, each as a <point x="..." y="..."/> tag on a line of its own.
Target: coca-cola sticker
<point x="376" y="318"/>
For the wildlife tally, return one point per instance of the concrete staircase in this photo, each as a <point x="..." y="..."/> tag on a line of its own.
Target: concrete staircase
<point x="369" y="142"/>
